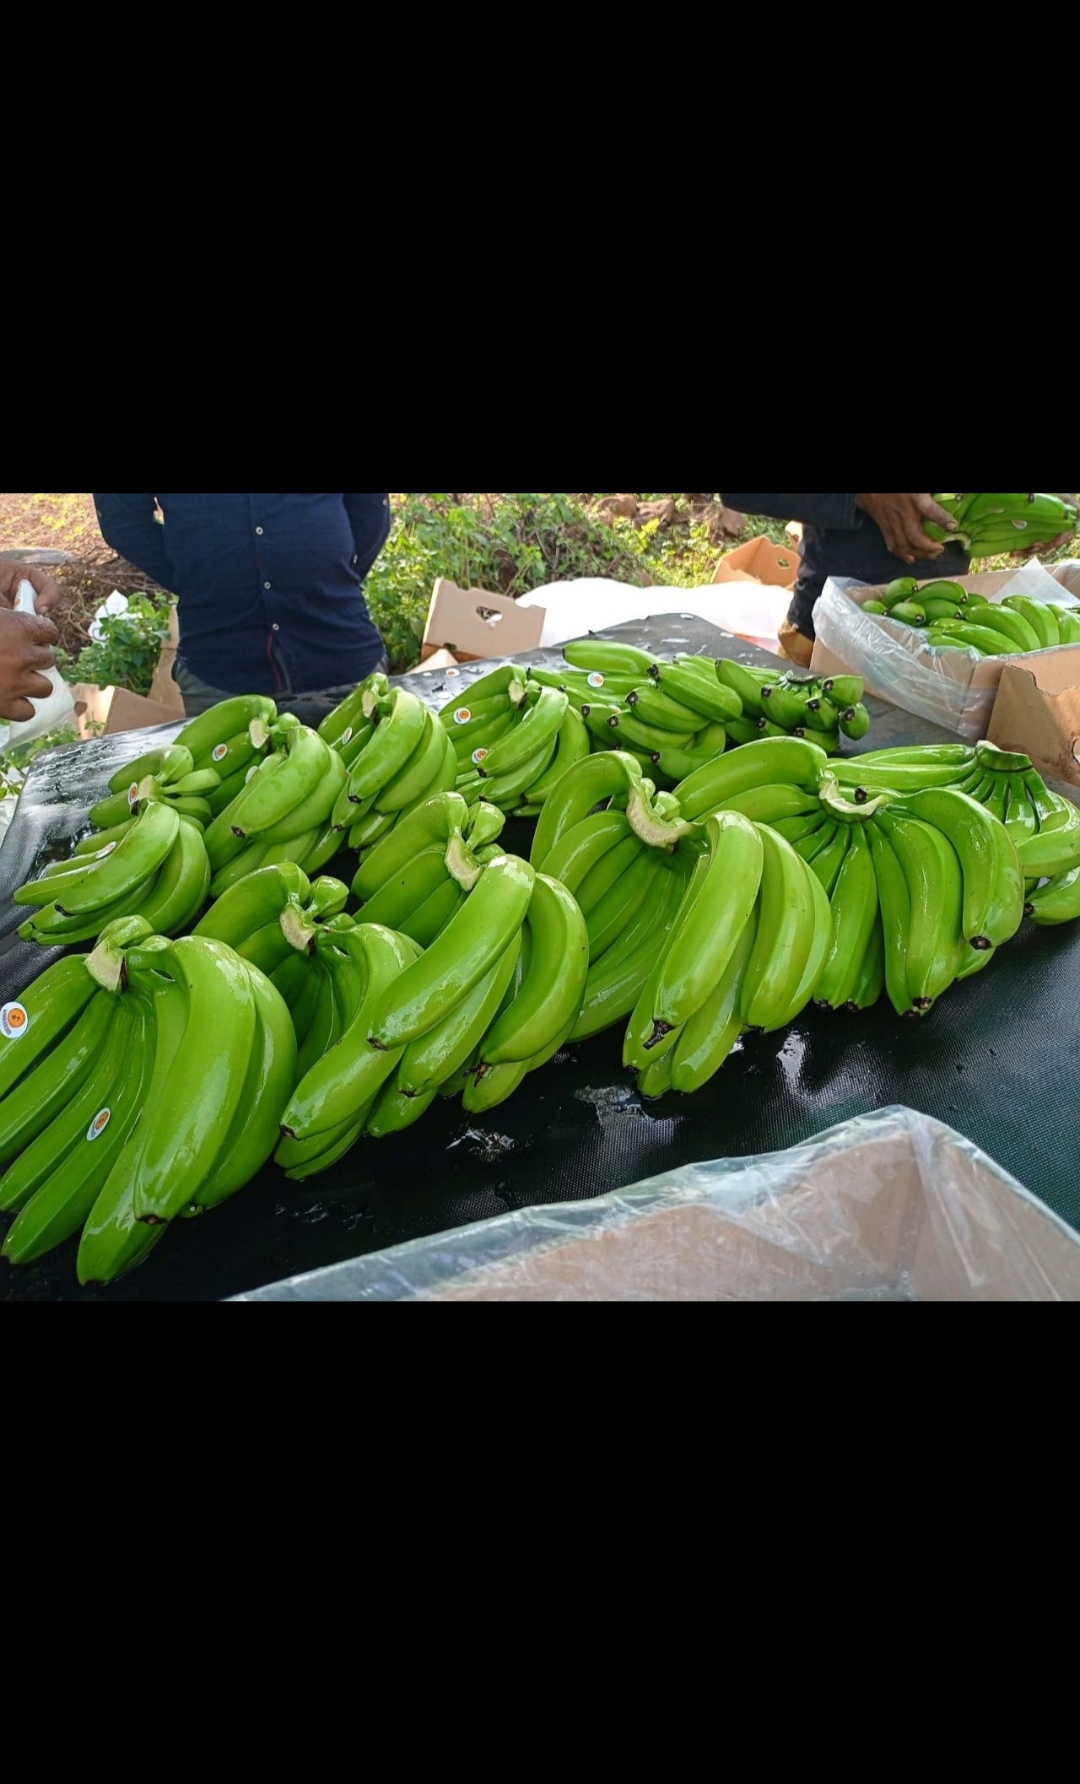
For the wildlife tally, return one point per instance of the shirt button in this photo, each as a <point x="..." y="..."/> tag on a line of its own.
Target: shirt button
<point x="267" y="585"/>
<point x="275" y="628"/>
<point x="259" y="531"/>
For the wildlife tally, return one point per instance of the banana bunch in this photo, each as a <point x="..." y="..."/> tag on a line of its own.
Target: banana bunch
<point x="166" y="775"/>
<point x="273" y="914"/>
<point x="144" y="1082"/>
<point x="745" y="953"/>
<point x="394" y="754"/>
<point x="416" y="879"/>
<point x="154" y="866"/>
<point x="676" y="716"/>
<point x="955" y="619"/>
<point x="492" y="998"/>
<point x="991" y="525"/>
<point x="513" y="737"/>
<point x="283" y="811"/>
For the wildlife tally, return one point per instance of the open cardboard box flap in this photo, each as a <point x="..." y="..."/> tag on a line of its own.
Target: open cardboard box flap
<point x="474" y="624"/>
<point x="1037" y="711"/>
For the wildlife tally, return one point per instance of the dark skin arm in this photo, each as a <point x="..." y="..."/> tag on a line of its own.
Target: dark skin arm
<point x="26" y="641"/>
<point x="900" y="519"/>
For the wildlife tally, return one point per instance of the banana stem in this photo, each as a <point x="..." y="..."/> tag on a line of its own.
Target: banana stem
<point x="653" y="830"/>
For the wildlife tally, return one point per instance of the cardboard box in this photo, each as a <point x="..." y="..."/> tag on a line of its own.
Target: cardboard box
<point x="163" y="688"/>
<point x="434" y="659"/>
<point x="891" y="1206"/>
<point x="947" y="687"/>
<point x="118" y="710"/>
<point x="474" y="625"/>
<point x="1037" y="711"/>
<point x="759" y="560"/>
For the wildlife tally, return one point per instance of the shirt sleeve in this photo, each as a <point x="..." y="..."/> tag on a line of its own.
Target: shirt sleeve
<point x="826" y="512"/>
<point x="369" y="517"/>
<point x="127" y="525"/>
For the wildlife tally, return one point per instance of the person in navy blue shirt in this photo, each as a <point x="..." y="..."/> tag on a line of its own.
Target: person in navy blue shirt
<point x="269" y="588"/>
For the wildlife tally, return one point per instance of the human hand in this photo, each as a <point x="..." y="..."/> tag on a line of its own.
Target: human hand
<point x="900" y="519"/>
<point x="47" y="590"/>
<point x="26" y="641"/>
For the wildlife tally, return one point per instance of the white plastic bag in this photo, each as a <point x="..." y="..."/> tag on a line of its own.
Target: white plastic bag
<point x="591" y="604"/>
<point x="896" y="662"/>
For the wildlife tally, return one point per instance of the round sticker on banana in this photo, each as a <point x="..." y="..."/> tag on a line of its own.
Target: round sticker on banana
<point x="14" y="1021"/>
<point x="346" y="737"/>
<point x="220" y="752"/>
<point x="596" y="680"/>
<point x="133" y="795"/>
<point x="462" y="715"/>
<point x="479" y="755"/>
<point x="99" y="1124"/>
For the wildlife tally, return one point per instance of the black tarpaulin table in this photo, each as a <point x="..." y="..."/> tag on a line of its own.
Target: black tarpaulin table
<point x="991" y="1060"/>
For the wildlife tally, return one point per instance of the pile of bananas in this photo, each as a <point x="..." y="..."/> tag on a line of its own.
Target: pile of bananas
<point x="138" y="1084"/>
<point x="954" y="619"/>
<point x="394" y="755"/>
<point x="519" y="730"/>
<point x="990" y="526"/>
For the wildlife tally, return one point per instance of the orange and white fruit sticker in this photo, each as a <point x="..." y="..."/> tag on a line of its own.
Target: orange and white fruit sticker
<point x="596" y="680"/>
<point x="463" y="715"/>
<point x="346" y="737"/>
<point x="220" y="753"/>
<point x="451" y="673"/>
<point x="133" y="795"/>
<point x="99" y="1124"/>
<point x="479" y="755"/>
<point x="14" y="1021"/>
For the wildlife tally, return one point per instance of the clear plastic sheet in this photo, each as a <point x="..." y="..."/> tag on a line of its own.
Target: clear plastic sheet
<point x="890" y="1206"/>
<point x="896" y="663"/>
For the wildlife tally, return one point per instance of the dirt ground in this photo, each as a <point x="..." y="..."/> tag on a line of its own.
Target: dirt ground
<point x="60" y="523"/>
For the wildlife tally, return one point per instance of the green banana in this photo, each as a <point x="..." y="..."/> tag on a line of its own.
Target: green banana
<point x="701" y="691"/>
<point x="182" y="886"/>
<point x="269" y="1082"/>
<point x="615" y="982"/>
<point x="34" y="1102"/>
<point x="652" y="706"/>
<point x="426" y="923"/>
<point x="712" y="1031"/>
<point x="1039" y="617"/>
<point x="1011" y="624"/>
<point x="223" y="722"/>
<point x="1058" y="901"/>
<point x="396" y="738"/>
<point x="345" y="1081"/>
<point x="138" y="854"/>
<point x="465" y="951"/>
<point x="787" y="919"/>
<point x="420" y="771"/>
<point x="186" y="1126"/>
<point x="854" y="908"/>
<point x="550" y="998"/>
<point x="770" y="760"/>
<point x="609" y="916"/>
<point x="1051" y="852"/>
<point x="605" y="776"/>
<point x="538" y="728"/>
<point x="993" y="901"/>
<point x="85" y="1140"/>
<point x="269" y="800"/>
<point x="712" y="920"/>
<point x="935" y="943"/>
<point x="609" y="658"/>
<point x="32" y="1024"/>
<point x="253" y="902"/>
<point x="747" y="683"/>
<point x="441" y="1053"/>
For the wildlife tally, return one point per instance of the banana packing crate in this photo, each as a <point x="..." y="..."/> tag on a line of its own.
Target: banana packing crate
<point x="891" y="1206"/>
<point x="951" y="688"/>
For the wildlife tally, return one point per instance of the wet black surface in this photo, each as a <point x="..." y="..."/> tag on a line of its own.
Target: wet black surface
<point x="991" y="1060"/>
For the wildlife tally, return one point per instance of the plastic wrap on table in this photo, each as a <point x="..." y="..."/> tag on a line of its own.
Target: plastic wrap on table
<point x="888" y="1207"/>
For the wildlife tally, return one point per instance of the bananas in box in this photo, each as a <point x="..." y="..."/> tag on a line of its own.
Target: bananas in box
<point x="138" y="1083"/>
<point x="953" y="618"/>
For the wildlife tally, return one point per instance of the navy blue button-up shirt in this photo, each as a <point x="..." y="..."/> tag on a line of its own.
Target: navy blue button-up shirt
<point x="269" y="586"/>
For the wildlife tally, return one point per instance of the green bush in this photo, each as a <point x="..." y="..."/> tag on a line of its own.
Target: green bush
<point x="127" y="653"/>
